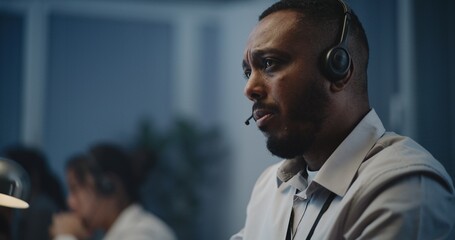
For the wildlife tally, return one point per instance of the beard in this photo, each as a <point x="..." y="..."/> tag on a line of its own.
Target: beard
<point x="309" y="108"/>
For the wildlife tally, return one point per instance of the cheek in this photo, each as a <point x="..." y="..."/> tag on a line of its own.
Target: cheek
<point x="287" y="93"/>
<point x="81" y="202"/>
<point x="289" y="81"/>
<point x="72" y="201"/>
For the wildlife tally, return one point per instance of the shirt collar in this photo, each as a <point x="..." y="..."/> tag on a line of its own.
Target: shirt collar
<point x="339" y="170"/>
<point x="289" y="168"/>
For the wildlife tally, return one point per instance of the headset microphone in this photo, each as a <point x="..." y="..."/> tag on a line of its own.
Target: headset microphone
<point x="247" y="122"/>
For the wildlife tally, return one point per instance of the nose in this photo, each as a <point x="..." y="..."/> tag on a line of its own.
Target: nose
<point x="255" y="88"/>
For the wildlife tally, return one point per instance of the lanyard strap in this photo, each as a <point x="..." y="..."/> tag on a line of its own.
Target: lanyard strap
<point x="323" y="210"/>
<point x="290" y="226"/>
<point x="290" y="235"/>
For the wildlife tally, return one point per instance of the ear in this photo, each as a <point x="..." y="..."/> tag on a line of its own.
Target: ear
<point x="340" y="85"/>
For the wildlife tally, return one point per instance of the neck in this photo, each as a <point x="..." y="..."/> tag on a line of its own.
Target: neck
<point x="332" y="134"/>
<point x="114" y="207"/>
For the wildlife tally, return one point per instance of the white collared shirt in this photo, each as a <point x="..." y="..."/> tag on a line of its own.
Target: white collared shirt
<point x="387" y="187"/>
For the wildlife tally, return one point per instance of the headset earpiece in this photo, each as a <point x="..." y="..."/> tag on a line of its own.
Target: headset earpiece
<point x="337" y="63"/>
<point x="103" y="182"/>
<point x="104" y="185"/>
<point x="337" y="60"/>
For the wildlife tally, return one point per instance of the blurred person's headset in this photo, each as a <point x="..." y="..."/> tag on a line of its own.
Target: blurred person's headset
<point x="103" y="182"/>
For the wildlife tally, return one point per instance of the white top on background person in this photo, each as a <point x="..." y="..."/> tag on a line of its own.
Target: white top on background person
<point x="134" y="223"/>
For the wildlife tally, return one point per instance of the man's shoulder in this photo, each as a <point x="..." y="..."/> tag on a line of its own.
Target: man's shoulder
<point x="395" y="156"/>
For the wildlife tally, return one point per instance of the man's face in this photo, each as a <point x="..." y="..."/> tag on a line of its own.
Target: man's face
<point x="84" y="200"/>
<point x="290" y="94"/>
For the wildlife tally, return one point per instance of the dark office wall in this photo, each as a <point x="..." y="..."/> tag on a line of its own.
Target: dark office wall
<point x="434" y="36"/>
<point x="11" y="39"/>
<point x="380" y="23"/>
<point x="104" y="76"/>
<point x="434" y="51"/>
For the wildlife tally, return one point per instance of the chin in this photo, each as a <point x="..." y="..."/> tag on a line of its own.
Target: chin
<point x="88" y="225"/>
<point x="289" y="147"/>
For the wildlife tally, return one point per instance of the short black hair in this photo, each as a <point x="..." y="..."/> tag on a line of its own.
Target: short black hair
<point x="320" y="11"/>
<point x="314" y="9"/>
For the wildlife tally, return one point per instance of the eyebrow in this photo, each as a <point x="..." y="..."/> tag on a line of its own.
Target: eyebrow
<point x="245" y="64"/>
<point x="261" y="52"/>
<point x="265" y="51"/>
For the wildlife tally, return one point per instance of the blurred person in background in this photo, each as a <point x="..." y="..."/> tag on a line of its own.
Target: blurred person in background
<point x="46" y="198"/>
<point x="103" y="195"/>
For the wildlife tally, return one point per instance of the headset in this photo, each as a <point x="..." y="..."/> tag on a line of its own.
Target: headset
<point x="337" y="60"/>
<point x="103" y="183"/>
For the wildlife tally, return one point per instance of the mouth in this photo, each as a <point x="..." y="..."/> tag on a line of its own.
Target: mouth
<point x="262" y="117"/>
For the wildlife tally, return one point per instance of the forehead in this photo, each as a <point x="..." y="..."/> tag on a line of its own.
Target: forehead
<point x="277" y="28"/>
<point x="74" y="180"/>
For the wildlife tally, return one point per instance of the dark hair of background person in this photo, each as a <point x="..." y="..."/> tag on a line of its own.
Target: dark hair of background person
<point x="105" y="160"/>
<point x="327" y="15"/>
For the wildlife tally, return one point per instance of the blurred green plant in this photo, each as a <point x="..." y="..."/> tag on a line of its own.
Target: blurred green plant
<point x="185" y="162"/>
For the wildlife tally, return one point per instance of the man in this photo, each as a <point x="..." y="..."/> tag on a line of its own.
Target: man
<point x="344" y="176"/>
<point x="102" y="196"/>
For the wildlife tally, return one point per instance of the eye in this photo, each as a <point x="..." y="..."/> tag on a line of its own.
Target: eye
<point x="247" y="73"/>
<point x="269" y="63"/>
